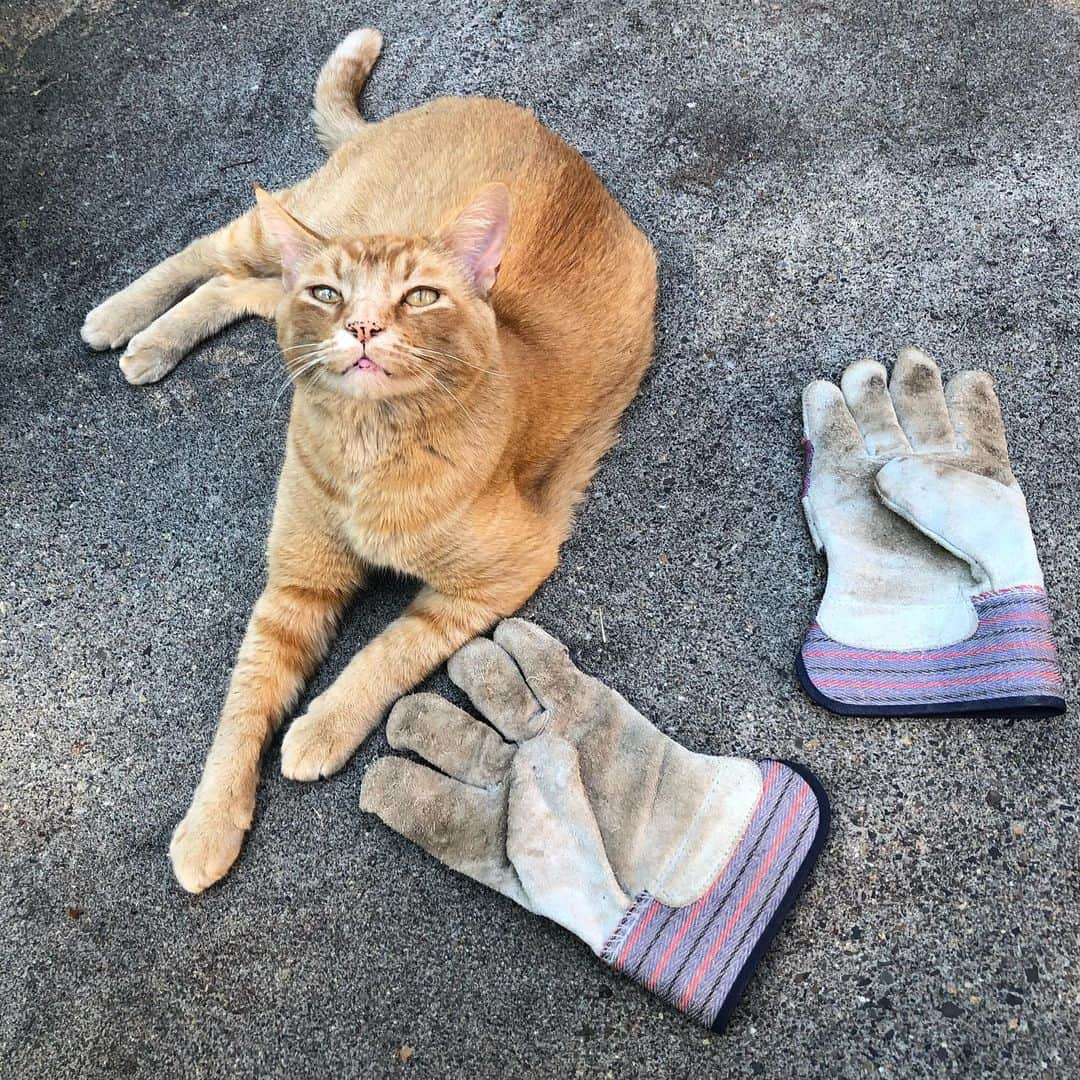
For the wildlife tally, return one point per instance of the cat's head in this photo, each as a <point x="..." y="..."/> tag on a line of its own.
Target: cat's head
<point x="386" y="316"/>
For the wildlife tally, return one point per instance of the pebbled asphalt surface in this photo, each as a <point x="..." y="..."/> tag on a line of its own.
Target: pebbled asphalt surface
<point x="824" y="181"/>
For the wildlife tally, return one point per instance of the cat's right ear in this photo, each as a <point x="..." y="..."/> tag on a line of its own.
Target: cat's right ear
<point x="477" y="237"/>
<point x="295" y="242"/>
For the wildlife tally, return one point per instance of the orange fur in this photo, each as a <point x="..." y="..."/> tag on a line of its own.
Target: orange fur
<point x="460" y="461"/>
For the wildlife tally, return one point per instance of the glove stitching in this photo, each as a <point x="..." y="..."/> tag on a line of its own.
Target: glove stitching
<point x="699" y="884"/>
<point x="908" y="606"/>
<point x="1010" y="588"/>
<point x="615" y="935"/>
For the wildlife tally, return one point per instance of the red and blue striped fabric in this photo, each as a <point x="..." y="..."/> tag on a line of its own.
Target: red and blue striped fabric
<point x="1009" y="665"/>
<point x="700" y="956"/>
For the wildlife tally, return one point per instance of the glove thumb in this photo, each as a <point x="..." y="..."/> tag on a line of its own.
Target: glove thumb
<point x="981" y="521"/>
<point x="555" y="844"/>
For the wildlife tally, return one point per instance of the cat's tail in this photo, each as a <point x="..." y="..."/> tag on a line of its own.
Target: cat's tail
<point x="337" y="91"/>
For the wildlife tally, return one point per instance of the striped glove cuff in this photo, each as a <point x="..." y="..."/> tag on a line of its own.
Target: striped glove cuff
<point x="700" y="957"/>
<point x="1008" y="666"/>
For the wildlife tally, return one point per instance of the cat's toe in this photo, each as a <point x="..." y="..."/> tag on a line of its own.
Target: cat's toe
<point x="147" y="361"/>
<point x="204" y="846"/>
<point x="108" y="326"/>
<point x="313" y="748"/>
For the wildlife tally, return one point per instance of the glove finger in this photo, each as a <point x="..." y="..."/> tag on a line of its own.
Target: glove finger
<point x="449" y="739"/>
<point x="494" y="684"/>
<point x="544" y="661"/>
<point x="461" y="826"/>
<point x="981" y="521"/>
<point x="829" y="427"/>
<point x="866" y="391"/>
<point x="919" y="401"/>
<point x="977" y="420"/>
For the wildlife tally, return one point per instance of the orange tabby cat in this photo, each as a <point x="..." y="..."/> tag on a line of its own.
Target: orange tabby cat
<point x="467" y="313"/>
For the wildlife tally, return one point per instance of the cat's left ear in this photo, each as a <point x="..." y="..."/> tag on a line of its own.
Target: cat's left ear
<point x="477" y="236"/>
<point x="296" y="243"/>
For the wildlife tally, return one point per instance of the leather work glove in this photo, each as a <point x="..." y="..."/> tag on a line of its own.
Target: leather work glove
<point x="677" y="868"/>
<point x="935" y="601"/>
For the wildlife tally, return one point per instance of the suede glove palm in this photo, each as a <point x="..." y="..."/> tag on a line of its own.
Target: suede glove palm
<point x="935" y="600"/>
<point x="673" y="866"/>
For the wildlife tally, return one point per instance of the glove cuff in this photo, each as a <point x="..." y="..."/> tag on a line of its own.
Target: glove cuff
<point x="1008" y="667"/>
<point x="700" y="957"/>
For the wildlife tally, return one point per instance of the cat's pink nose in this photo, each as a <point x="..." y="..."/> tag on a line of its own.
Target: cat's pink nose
<point x="364" y="329"/>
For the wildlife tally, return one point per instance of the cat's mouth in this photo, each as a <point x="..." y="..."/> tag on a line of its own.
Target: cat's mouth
<point x="361" y="365"/>
<point x="364" y="365"/>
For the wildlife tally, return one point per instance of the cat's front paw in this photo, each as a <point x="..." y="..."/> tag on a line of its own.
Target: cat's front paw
<point x="112" y="323"/>
<point x="205" y="845"/>
<point x="317" y="744"/>
<point x="147" y="360"/>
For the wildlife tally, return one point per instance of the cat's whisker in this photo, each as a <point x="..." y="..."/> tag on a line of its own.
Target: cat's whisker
<point x="277" y="397"/>
<point x="310" y="362"/>
<point x="302" y="364"/>
<point x="300" y="357"/>
<point x="468" y="415"/>
<point x="292" y="362"/>
<point x="293" y="375"/>
<point x="274" y="358"/>
<point x="291" y="372"/>
<point x="262" y="365"/>
<point x="303" y="345"/>
<point x="424" y="352"/>
<point x="265" y="363"/>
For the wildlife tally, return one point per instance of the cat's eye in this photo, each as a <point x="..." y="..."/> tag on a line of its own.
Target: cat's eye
<point x="421" y="296"/>
<point x="325" y="293"/>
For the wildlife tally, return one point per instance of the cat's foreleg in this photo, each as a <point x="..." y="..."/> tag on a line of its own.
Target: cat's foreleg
<point x="499" y="563"/>
<point x="432" y="628"/>
<point x="312" y="576"/>
<point x="237" y="249"/>
<point x="155" y="351"/>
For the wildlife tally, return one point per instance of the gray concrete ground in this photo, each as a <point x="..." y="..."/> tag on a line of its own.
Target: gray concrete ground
<point x="824" y="181"/>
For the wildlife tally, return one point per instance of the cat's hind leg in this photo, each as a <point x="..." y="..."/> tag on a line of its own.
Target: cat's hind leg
<point x="238" y="249"/>
<point x="153" y="352"/>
